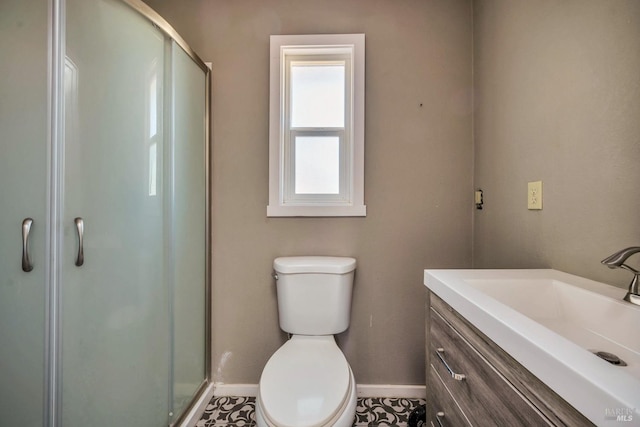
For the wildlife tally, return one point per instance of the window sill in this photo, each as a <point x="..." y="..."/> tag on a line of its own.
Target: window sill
<point x="316" y="211"/>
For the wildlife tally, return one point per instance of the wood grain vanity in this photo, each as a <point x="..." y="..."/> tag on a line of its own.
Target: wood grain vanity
<point x="472" y="381"/>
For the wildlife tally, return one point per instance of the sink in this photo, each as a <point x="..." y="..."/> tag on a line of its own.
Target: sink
<point x="591" y="320"/>
<point x="553" y="323"/>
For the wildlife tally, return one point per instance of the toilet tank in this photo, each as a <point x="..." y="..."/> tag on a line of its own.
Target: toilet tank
<point x="314" y="294"/>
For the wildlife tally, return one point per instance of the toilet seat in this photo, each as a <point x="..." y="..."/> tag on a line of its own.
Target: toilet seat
<point x="306" y="383"/>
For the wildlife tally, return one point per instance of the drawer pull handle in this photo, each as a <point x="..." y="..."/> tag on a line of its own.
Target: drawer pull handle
<point x="439" y="417"/>
<point x="455" y="376"/>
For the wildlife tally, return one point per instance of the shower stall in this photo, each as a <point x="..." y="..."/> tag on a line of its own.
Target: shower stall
<point x="104" y="216"/>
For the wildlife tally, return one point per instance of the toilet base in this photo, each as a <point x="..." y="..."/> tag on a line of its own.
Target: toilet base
<point x="345" y="419"/>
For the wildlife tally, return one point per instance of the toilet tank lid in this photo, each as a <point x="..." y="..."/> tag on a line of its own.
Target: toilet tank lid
<point x="314" y="264"/>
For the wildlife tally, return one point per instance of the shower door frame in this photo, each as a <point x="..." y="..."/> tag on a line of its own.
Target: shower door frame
<point x="53" y="233"/>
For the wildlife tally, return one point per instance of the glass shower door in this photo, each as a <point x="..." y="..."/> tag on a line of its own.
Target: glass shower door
<point x="188" y="218"/>
<point x="114" y="292"/>
<point x="103" y="247"/>
<point x="23" y="184"/>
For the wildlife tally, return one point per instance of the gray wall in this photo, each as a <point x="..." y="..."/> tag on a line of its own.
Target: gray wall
<point x="557" y="95"/>
<point x="418" y="179"/>
<point x="556" y="99"/>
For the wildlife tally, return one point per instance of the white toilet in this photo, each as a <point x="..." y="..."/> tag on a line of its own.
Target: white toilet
<point x="308" y="381"/>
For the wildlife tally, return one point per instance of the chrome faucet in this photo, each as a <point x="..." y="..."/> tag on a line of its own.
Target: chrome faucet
<point x="617" y="261"/>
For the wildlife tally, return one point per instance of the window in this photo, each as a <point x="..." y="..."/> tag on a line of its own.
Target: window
<point x="316" y="126"/>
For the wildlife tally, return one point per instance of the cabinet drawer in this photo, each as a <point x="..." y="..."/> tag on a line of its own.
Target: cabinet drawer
<point x="483" y="395"/>
<point x="442" y="408"/>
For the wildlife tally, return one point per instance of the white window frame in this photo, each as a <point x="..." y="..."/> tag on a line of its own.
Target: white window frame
<point x="324" y="48"/>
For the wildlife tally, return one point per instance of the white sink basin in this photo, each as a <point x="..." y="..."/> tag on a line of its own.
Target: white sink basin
<point x="593" y="321"/>
<point x="551" y="322"/>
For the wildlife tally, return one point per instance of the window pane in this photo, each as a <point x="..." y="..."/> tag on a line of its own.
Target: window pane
<point x="317" y="95"/>
<point x="317" y="165"/>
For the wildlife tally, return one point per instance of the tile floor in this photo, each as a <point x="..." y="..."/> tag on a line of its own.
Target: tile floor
<point x="372" y="412"/>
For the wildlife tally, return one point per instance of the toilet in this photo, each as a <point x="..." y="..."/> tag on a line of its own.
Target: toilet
<point x="308" y="382"/>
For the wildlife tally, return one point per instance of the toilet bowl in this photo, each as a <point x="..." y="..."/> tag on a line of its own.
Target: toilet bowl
<point x="308" y="382"/>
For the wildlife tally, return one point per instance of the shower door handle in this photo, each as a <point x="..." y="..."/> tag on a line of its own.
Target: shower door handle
<point x="27" y="265"/>
<point x="80" y="229"/>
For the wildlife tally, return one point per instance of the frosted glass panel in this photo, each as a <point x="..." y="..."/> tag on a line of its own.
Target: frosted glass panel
<point x="115" y="308"/>
<point x="317" y="165"/>
<point x="189" y="255"/>
<point x="23" y="183"/>
<point x="317" y="95"/>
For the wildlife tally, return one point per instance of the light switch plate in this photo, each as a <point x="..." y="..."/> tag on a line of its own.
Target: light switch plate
<point x="534" y="195"/>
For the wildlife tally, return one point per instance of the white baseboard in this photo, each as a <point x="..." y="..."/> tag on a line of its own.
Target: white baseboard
<point x="392" y="390"/>
<point x="364" y="390"/>
<point x="222" y="389"/>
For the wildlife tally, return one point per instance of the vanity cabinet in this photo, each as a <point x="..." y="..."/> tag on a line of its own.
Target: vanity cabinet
<point x="472" y="381"/>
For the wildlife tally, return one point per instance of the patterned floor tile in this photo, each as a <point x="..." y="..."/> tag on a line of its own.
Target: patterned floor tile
<point x="387" y="411"/>
<point x="228" y="411"/>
